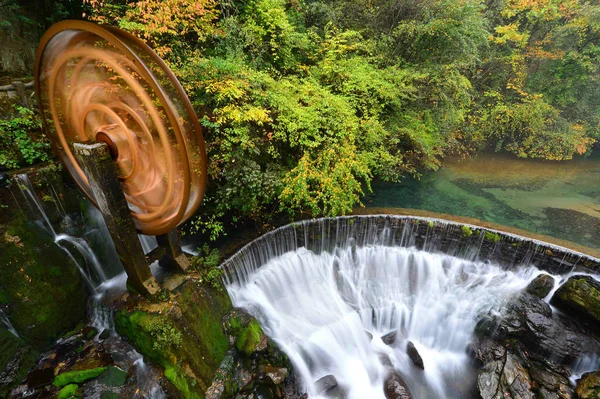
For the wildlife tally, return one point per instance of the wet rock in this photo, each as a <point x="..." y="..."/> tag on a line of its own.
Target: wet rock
<point x="588" y="387"/>
<point x="530" y="320"/>
<point x="580" y="294"/>
<point x="264" y="392"/>
<point x="104" y="334"/>
<point x="251" y="339"/>
<point x="394" y="387"/>
<point x="15" y="360"/>
<point x="40" y="377"/>
<point x="89" y="332"/>
<point x="326" y="384"/>
<point x="390" y="338"/>
<point x="276" y="374"/>
<point x="541" y="285"/>
<point x="414" y="355"/>
<point x="552" y="380"/>
<point x="503" y="374"/>
<point x="113" y="377"/>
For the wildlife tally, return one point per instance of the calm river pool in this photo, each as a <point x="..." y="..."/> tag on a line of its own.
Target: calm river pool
<point x="557" y="199"/>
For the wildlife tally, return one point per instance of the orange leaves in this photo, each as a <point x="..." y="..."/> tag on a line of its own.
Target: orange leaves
<point x="160" y="23"/>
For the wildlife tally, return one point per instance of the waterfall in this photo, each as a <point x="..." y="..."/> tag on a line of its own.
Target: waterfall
<point x="322" y="289"/>
<point x="588" y="363"/>
<point x="100" y="284"/>
<point x="91" y="270"/>
<point x="146" y="380"/>
<point x="4" y="320"/>
<point x="148" y="243"/>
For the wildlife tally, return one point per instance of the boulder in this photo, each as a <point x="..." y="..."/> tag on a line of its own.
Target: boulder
<point x="503" y="373"/>
<point x="414" y="355"/>
<point x="529" y="319"/>
<point x="16" y="358"/>
<point x="581" y="295"/>
<point x="394" y="387"/>
<point x="389" y="338"/>
<point x="541" y="285"/>
<point x="39" y="377"/>
<point x="551" y="379"/>
<point x="588" y="387"/>
<point x="326" y="384"/>
<point x="276" y="374"/>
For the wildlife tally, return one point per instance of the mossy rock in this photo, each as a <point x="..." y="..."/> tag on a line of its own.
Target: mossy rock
<point x="16" y="359"/>
<point x="77" y="377"/>
<point x="251" y="338"/>
<point x="188" y="341"/>
<point x="113" y="377"/>
<point x="68" y="392"/>
<point x="580" y="294"/>
<point x="44" y="289"/>
<point x="109" y="395"/>
<point x="588" y="387"/>
<point x="541" y="285"/>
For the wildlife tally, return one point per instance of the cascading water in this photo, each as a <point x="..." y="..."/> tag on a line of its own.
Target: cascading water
<point x="91" y="270"/>
<point x="94" y="273"/>
<point x="4" y="320"/>
<point x="322" y="299"/>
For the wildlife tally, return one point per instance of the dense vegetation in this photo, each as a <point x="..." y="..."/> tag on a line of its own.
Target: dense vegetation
<point x="304" y="102"/>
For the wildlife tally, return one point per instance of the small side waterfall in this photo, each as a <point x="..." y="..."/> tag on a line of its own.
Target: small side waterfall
<point x="91" y="270"/>
<point x="4" y="320"/>
<point x="100" y="283"/>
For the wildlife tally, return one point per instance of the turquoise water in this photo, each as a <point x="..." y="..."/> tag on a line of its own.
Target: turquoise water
<point x="557" y="199"/>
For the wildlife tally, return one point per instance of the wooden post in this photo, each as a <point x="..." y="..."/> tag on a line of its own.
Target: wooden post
<point x="173" y="256"/>
<point x="101" y="172"/>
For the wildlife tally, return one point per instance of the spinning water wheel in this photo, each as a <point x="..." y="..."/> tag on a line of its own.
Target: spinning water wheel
<point x="101" y="84"/>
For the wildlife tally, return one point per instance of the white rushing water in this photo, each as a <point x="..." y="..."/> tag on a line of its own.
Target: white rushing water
<point x="4" y="320"/>
<point x="317" y="307"/>
<point x="101" y="284"/>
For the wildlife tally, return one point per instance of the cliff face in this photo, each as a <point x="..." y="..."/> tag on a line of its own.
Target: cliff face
<point x="22" y="24"/>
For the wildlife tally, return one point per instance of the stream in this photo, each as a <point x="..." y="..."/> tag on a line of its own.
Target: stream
<point x="557" y="199"/>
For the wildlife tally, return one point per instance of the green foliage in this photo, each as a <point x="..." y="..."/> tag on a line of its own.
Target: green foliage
<point x="164" y="333"/>
<point x="207" y="264"/>
<point x="21" y="141"/>
<point x="495" y="237"/>
<point x="303" y="103"/>
<point x="466" y="231"/>
<point x="76" y="377"/>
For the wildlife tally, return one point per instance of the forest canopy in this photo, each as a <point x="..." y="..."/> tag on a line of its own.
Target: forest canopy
<point x="305" y="102"/>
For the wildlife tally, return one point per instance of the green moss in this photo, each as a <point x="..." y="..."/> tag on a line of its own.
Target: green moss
<point x="109" y="395"/>
<point x="77" y="377"/>
<point x="45" y="290"/>
<point x="113" y="377"/>
<point x="466" y="231"/>
<point x="196" y="324"/>
<point x="489" y="236"/>
<point x="249" y="338"/>
<point x="182" y="383"/>
<point x="431" y="224"/>
<point x="581" y="293"/>
<point x="69" y="391"/>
